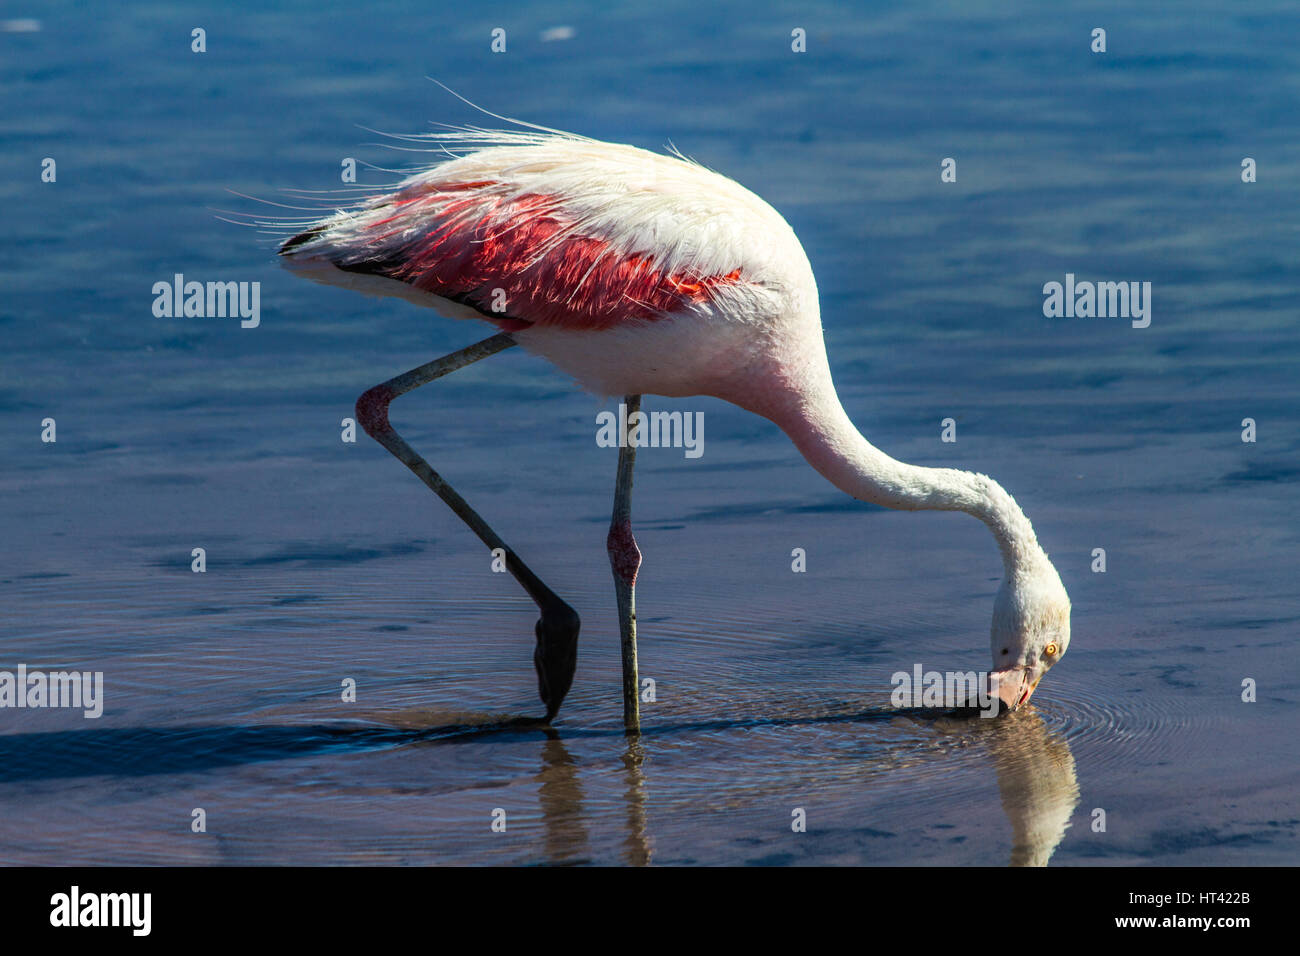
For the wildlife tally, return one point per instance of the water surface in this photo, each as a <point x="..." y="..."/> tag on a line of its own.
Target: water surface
<point x="329" y="561"/>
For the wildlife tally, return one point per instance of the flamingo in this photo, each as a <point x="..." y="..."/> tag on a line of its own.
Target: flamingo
<point x="640" y="273"/>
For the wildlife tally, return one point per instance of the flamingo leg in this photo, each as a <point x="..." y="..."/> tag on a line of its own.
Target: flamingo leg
<point x="625" y="560"/>
<point x="556" y="654"/>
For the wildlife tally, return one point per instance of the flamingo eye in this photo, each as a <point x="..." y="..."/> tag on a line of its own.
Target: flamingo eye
<point x="1050" y="649"/>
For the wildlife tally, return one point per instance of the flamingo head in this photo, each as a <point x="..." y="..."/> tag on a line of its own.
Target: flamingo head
<point x="1030" y="632"/>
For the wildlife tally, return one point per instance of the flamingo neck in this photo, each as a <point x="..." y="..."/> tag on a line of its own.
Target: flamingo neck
<point x="806" y="407"/>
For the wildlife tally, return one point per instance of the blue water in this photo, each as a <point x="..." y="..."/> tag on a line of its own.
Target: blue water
<point x="328" y="561"/>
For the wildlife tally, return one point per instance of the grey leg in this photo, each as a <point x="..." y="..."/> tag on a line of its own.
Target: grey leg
<point x="625" y="560"/>
<point x="556" y="654"/>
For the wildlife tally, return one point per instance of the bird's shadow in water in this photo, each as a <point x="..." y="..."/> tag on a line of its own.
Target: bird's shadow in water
<point x="1036" y="774"/>
<point x="146" y="751"/>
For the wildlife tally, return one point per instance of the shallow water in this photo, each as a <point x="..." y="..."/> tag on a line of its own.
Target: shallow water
<point x="328" y="561"/>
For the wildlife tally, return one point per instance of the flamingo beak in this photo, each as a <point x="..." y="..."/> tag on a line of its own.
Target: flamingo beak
<point x="1014" y="685"/>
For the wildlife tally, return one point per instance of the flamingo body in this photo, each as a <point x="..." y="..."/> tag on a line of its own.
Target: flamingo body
<point x="632" y="272"/>
<point x="641" y="273"/>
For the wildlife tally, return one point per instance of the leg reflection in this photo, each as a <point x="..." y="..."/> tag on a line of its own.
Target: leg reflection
<point x="561" y="797"/>
<point x="638" y="840"/>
